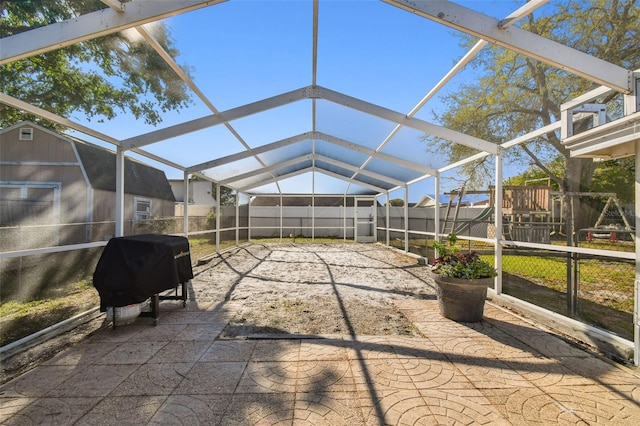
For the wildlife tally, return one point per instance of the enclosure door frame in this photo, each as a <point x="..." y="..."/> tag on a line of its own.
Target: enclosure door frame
<point x="364" y="216"/>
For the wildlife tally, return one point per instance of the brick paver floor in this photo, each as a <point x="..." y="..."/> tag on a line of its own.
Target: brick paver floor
<point x="503" y="370"/>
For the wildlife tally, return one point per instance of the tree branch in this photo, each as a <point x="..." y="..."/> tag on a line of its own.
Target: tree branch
<point x="537" y="162"/>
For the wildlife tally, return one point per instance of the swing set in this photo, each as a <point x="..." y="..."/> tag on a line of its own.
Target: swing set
<point x="600" y="230"/>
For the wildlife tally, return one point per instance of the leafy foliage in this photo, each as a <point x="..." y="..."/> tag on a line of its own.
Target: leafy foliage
<point x="452" y="263"/>
<point x="515" y="94"/>
<point x="536" y="175"/>
<point x="101" y="78"/>
<point x="616" y="176"/>
<point x="227" y="195"/>
<point x="612" y="176"/>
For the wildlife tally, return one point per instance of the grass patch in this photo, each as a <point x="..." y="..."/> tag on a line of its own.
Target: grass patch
<point x="20" y="319"/>
<point x="201" y="247"/>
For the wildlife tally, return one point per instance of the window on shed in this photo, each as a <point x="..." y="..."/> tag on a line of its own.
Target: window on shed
<point x="142" y="209"/>
<point x="26" y="134"/>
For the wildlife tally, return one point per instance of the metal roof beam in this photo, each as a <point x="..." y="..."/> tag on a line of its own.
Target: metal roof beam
<point x="159" y="159"/>
<point x="586" y="97"/>
<point x="521" y="41"/>
<point x="264" y="170"/>
<point x="273" y="180"/>
<point x="114" y="4"/>
<point x="348" y="179"/>
<point x="169" y="60"/>
<point x="353" y="168"/>
<point x="379" y="155"/>
<point x="215" y="119"/>
<point x="245" y="154"/>
<point x="517" y="141"/>
<point x="301" y="159"/>
<point x="309" y="136"/>
<point x="314" y="49"/>
<point x="309" y="92"/>
<point x="17" y="103"/>
<point x="93" y="25"/>
<point x="414" y="123"/>
<point x="509" y="20"/>
<point x="187" y="80"/>
<point x="309" y="170"/>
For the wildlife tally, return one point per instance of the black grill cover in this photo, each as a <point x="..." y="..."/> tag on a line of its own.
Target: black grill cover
<point x="132" y="269"/>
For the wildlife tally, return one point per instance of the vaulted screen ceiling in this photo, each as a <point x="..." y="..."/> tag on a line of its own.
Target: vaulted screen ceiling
<point x="298" y="96"/>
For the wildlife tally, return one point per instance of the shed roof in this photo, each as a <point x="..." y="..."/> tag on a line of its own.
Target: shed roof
<point x="350" y="109"/>
<point x="139" y="179"/>
<point x="99" y="164"/>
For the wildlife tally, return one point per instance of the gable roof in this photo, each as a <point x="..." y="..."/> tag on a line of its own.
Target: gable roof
<point x="139" y="179"/>
<point x="100" y="166"/>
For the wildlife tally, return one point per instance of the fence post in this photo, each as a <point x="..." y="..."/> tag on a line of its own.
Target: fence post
<point x="572" y="292"/>
<point x="218" y="212"/>
<point x="185" y="205"/>
<point x="497" y="220"/>
<point x="636" y="285"/>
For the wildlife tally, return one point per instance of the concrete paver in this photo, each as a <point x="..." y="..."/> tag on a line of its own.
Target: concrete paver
<point x="503" y="370"/>
<point x="456" y="374"/>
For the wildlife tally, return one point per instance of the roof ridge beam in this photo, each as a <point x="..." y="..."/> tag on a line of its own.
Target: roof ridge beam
<point x="92" y="25"/>
<point x="524" y="42"/>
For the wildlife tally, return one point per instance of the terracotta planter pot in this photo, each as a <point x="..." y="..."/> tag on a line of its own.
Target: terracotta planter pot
<point x="461" y="299"/>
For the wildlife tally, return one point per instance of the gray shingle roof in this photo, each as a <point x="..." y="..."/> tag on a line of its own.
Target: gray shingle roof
<point x="139" y="179"/>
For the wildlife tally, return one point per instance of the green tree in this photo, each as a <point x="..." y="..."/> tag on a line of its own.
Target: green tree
<point x="227" y="195"/>
<point x="534" y="175"/>
<point x="101" y="78"/>
<point x="612" y="176"/>
<point x="396" y="202"/>
<point x="617" y="176"/>
<point x="516" y="94"/>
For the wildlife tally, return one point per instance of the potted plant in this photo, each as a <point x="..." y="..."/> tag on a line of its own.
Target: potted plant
<point x="461" y="281"/>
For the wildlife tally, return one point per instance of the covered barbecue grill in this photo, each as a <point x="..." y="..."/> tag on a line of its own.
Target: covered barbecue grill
<point x="135" y="268"/>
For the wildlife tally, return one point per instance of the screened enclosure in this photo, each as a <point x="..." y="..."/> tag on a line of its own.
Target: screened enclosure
<point x="320" y="119"/>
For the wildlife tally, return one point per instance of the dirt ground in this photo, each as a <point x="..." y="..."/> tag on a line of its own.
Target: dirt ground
<point x="337" y="288"/>
<point x="287" y="288"/>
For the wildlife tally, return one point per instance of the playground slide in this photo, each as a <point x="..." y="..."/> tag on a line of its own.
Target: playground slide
<point x="465" y="225"/>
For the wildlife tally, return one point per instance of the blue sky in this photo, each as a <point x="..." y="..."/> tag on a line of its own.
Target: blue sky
<point x="244" y="51"/>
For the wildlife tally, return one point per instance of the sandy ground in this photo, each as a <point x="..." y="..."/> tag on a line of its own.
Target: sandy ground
<point x="337" y="288"/>
<point x="285" y="288"/>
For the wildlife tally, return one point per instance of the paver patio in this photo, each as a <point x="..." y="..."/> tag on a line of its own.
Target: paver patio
<point x="503" y="370"/>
